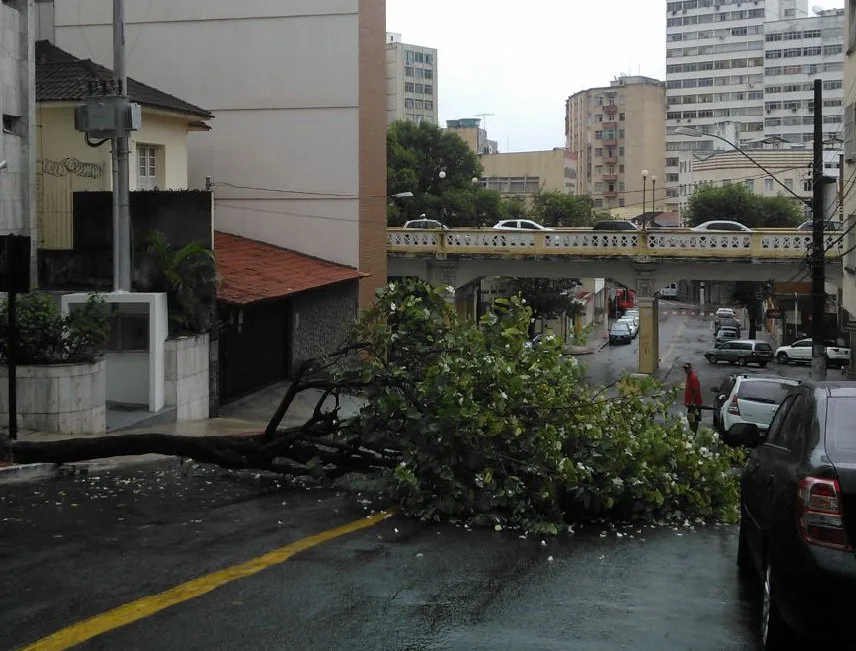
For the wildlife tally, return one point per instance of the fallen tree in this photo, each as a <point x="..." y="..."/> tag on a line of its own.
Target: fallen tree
<point x="467" y="423"/>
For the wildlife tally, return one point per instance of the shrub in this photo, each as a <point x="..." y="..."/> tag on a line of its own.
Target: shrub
<point x="46" y="336"/>
<point x="497" y="432"/>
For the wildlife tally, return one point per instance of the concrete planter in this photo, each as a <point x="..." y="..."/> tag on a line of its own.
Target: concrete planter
<point x="60" y="398"/>
<point x="186" y="370"/>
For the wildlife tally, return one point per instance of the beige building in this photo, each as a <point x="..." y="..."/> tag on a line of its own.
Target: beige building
<point x="298" y="149"/>
<point x="526" y="172"/>
<point x="614" y="133"/>
<point x="789" y="171"/>
<point x="471" y="132"/>
<point x="411" y="81"/>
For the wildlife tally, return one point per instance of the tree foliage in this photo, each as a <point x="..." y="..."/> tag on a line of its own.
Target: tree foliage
<point x="466" y="423"/>
<point x="735" y="202"/>
<point x="416" y="154"/>
<point x="47" y="336"/>
<point x="562" y="210"/>
<point x="549" y="298"/>
<point x="187" y="276"/>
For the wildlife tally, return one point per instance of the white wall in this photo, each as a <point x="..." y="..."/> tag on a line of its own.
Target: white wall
<point x="282" y="81"/>
<point x="128" y="378"/>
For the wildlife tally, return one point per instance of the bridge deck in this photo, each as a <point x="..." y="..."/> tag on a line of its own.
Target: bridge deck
<point x="770" y="244"/>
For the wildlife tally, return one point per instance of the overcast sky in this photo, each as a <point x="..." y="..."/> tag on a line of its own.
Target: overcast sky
<point x="522" y="59"/>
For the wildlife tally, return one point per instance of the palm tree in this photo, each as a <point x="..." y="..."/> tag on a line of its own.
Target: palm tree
<point x="187" y="275"/>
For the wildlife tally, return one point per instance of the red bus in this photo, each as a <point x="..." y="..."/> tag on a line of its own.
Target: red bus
<point x="624" y="299"/>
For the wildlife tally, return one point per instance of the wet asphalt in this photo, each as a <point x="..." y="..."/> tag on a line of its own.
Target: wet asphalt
<point x="76" y="546"/>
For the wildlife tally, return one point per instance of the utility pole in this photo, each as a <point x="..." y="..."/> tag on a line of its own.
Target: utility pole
<point x="121" y="152"/>
<point x="818" y="256"/>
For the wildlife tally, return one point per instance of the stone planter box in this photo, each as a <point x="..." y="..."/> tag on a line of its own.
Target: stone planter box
<point x="60" y="398"/>
<point x="186" y="369"/>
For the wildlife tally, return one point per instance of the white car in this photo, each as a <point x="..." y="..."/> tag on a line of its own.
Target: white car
<point x="722" y="227"/>
<point x="800" y="351"/>
<point x="753" y="399"/>
<point x="725" y="312"/>
<point x="631" y="323"/>
<point x="519" y="225"/>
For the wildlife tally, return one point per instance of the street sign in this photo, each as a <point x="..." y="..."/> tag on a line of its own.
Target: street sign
<point x="15" y="263"/>
<point x="774" y="314"/>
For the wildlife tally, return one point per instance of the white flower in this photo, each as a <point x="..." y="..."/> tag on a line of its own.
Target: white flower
<point x="618" y="481"/>
<point x="392" y="307"/>
<point x="450" y="289"/>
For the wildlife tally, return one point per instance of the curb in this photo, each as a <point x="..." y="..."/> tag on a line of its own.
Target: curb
<point x="590" y="351"/>
<point x="28" y="472"/>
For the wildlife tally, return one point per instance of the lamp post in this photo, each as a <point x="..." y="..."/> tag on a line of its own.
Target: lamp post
<point x="644" y="189"/>
<point x="653" y="193"/>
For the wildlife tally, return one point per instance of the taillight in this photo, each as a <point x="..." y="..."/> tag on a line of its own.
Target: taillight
<point x="819" y="513"/>
<point x="734" y="408"/>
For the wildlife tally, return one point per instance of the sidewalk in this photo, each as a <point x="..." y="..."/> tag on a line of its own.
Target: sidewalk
<point x="245" y="416"/>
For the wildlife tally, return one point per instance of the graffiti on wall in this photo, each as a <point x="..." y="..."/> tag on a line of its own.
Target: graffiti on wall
<point x="71" y="167"/>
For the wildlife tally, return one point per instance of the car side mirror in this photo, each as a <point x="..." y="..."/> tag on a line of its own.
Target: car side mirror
<point x="744" y="435"/>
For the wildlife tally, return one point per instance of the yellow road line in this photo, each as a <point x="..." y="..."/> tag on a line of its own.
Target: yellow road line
<point x="675" y="341"/>
<point x="147" y="606"/>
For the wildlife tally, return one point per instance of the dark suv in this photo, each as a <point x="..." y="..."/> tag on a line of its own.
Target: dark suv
<point x="741" y="352"/>
<point x="798" y="514"/>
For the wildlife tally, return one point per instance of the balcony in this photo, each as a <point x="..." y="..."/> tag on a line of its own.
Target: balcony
<point x="610" y="177"/>
<point x="610" y="194"/>
<point x="612" y="142"/>
<point x="612" y="124"/>
<point x="610" y="109"/>
<point x="609" y="160"/>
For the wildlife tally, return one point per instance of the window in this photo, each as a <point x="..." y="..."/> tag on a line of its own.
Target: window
<point x="429" y="59"/>
<point x="408" y="102"/>
<point x="419" y="88"/>
<point x="768" y="185"/>
<point x="408" y="87"/>
<point x="128" y="333"/>
<point x="408" y="71"/>
<point x="429" y="105"/>
<point x="429" y="89"/>
<point x="13" y="124"/>
<point x="750" y="184"/>
<point x="621" y="117"/>
<point x="147" y="167"/>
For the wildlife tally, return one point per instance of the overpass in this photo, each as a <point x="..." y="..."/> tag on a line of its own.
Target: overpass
<point x="641" y="259"/>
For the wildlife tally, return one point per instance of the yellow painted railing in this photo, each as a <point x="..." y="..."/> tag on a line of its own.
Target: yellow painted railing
<point x="781" y="244"/>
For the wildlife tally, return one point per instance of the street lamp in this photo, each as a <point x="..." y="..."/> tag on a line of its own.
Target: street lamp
<point x="695" y="133"/>
<point x="653" y="192"/>
<point x="644" y="188"/>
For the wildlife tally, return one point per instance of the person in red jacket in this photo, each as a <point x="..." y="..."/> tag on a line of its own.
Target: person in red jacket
<point x="692" y="397"/>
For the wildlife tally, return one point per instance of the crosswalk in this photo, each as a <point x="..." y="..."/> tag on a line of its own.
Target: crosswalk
<point x="686" y="313"/>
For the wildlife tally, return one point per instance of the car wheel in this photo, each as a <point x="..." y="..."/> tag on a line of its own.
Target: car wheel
<point x="782" y="358"/>
<point x="744" y="559"/>
<point x="711" y="359"/>
<point x="742" y="361"/>
<point x="775" y="633"/>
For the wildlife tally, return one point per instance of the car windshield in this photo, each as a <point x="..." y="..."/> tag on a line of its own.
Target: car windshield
<point x="620" y="327"/>
<point x="770" y="392"/>
<point x="763" y="346"/>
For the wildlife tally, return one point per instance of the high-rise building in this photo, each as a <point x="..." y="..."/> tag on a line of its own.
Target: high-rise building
<point x="752" y="64"/>
<point x="797" y="52"/>
<point x="411" y="81"/>
<point x="615" y="136"/>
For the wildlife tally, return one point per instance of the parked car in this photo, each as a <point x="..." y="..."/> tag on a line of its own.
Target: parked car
<point x="726" y="333"/>
<point x="720" y="394"/>
<point x="615" y="225"/>
<point x="620" y="333"/>
<point x="798" y="515"/>
<point x="669" y="291"/>
<point x="800" y="352"/>
<point x="721" y="226"/>
<point x="519" y="225"/>
<point x="632" y="323"/>
<point x="742" y="352"/>
<point x="721" y="322"/>
<point x="831" y="225"/>
<point x="428" y="224"/>
<point x="724" y="312"/>
<point x="752" y="399"/>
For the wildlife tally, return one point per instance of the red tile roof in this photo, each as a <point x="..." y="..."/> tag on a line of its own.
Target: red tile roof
<point x="254" y="271"/>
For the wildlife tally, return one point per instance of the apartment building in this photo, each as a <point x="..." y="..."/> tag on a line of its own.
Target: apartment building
<point x="600" y="125"/>
<point x="411" y="81"/>
<point x="471" y="132"/>
<point x="798" y="51"/>
<point x="848" y="289"/>
<point x="18" y="109"/>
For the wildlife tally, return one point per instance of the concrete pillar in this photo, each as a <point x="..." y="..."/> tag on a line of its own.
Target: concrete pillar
<point x="649" y="326"/>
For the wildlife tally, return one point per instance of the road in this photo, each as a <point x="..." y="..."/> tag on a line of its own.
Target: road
<point x="80" y="546"/>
